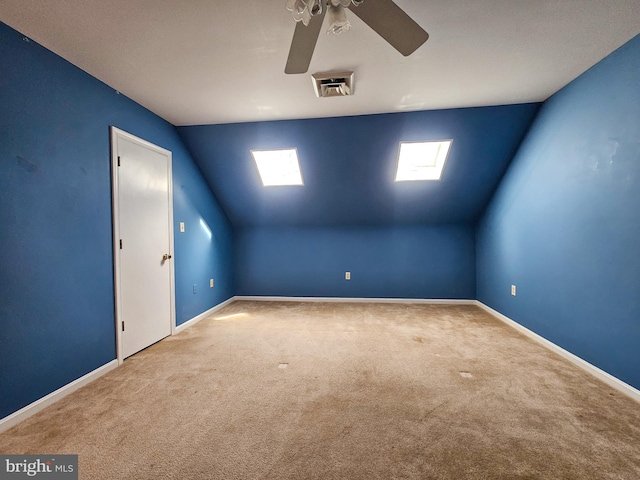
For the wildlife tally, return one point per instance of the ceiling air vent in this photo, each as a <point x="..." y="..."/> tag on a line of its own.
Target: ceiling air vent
<point x="333" y="84"/>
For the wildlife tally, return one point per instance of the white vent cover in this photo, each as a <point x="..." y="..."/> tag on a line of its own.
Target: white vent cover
<point x="333" y="84"/>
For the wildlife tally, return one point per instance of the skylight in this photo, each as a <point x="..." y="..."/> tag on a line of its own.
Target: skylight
<point x="278" y="167"/>
<point x="422" y="160"/>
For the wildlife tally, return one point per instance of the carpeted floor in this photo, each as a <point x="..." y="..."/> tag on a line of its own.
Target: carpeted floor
<point x="342" y="391"/>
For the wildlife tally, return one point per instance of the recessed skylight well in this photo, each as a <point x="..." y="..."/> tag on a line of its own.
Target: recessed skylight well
<point x="278" y="167"/>
<point x="422" y="160"/>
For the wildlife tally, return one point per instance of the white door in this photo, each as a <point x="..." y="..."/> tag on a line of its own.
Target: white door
<point x="143" y="237"/>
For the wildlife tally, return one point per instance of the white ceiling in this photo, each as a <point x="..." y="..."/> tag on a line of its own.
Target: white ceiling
<point x="221" y="61"/>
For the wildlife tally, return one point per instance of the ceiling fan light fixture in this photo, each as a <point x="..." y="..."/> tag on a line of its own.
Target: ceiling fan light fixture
<point x="303" y="10"/>
<point x="383" y="16"/>
<point x="338" y="21"/>
<point x="296" y="6"/>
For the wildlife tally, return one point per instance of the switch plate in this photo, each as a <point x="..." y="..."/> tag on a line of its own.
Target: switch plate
<point x="181" y="227"/>
<point x="513" y="290"/>
<point x="347" y="275"/>
<point x="211" y="283"/>
<point x="195" y="288"/>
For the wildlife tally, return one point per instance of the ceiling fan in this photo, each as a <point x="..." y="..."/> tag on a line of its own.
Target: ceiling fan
<point x="383" y="16"/>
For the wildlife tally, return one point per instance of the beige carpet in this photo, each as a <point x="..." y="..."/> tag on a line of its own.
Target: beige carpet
<point x="342" y="391"/>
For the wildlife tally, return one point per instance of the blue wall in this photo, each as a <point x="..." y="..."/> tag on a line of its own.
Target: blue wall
<point x="401" y="262"/>
<point x="56" y="274"/>
<point x="205" y="249"/>
<point x="564" y="225"/>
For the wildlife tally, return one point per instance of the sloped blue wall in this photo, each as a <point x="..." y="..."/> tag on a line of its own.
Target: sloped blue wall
<point x="205" y="249"/>
<point x="56" y="273"/>
<point x="564" y="225"/>
<point x="349" y="164"/>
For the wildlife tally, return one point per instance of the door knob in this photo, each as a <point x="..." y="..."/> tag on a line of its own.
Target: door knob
<point x="166" y="256"/>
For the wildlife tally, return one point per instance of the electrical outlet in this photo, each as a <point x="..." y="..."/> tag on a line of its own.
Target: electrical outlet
<point x="211" y="283"/>
<point x="195" y="288"/>
<point x="347" y="275"/>
<point x="181" y="227"/>
<point x="513" y="290"/>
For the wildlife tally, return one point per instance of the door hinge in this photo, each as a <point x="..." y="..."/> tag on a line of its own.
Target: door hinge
<point x="123" y="325"/>
<point x="120" y="244"/>
<point x="118" y="160"/>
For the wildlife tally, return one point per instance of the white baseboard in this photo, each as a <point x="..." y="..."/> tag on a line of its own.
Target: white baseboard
<point x="607" y="378"/>
<point x="617" y="384"/>
<point x="35" y="407"/>
<point x="357" y="300"/>
<point x="203" y="315"/>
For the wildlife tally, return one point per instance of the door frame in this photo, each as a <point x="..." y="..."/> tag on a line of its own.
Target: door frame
<point x="115" y="134"/>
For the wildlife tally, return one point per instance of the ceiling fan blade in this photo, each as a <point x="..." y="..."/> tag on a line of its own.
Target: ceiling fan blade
<point x="303" y="44"/>
<point x="390" y="22"/>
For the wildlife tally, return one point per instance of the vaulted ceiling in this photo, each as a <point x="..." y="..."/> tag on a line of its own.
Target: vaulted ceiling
<point x="222" y="62"/>
<point x="349" y="163"/>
